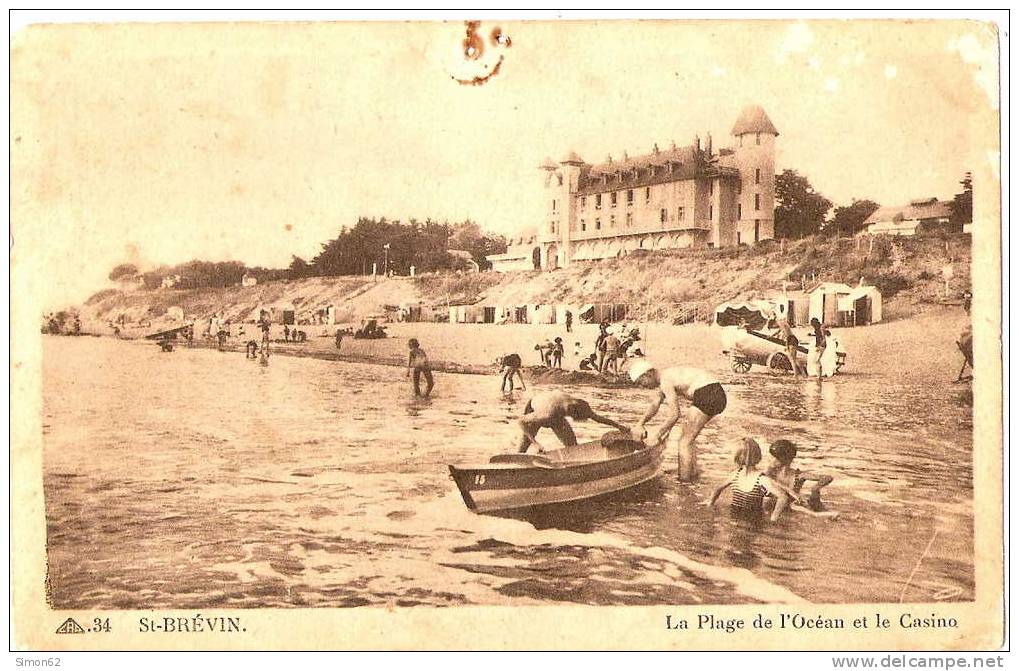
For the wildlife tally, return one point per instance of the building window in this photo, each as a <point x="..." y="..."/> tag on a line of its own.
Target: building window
<point x="757" y="176"/>
<point x="711" y="188"/>
<point x="739" y="210"/>
<point x="757" y="201"/>
<point x="711" y="212"/>
<point x="647" y="194"/>
<point x="757" y="230"/>
<point x="629" y="219"/>
<point x="583" y="202"/>
<point x="612" y="221"/>
<point x="597" y="202"/>
<point x="663" y="215"/>
<point x="597" y="224"/>
<point x="553" y="204"/>
<point x="680" y="213"/>
<point x="758" y="139"/>
<point x="583" y="225"/>
<point x="629" y="196"/>
<point x="612" y="199"/>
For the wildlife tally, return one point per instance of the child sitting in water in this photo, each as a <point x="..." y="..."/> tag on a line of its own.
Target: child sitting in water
<point x="780" y="469"/>
<point x="750" y="484"/>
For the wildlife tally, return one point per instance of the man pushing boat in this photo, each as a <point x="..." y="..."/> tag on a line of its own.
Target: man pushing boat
<point x="550" y="410"/>
<point x="702" y="389"/>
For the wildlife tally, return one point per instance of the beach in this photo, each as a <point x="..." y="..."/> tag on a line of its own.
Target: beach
<point x="922" y="345"/>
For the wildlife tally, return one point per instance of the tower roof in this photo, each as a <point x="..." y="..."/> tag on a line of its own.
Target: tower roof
<point x="572" y="157"/>
<point x="548" y="164"/>
<point x="753" y="119"/>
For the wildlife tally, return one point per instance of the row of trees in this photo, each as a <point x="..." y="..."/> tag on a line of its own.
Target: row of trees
<point x="801" y="211"/>
<point x="381" y="243"/>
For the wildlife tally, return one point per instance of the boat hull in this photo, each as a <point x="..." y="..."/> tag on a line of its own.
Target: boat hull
<point x="495" y="487"/>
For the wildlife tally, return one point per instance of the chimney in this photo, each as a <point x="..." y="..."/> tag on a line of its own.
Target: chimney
<point x="655" y="150"/>
<point x="708" y="148"/>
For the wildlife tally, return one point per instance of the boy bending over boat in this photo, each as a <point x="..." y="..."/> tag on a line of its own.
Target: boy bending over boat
<point x="703" y="391"/>
<point x="550" y="410"/>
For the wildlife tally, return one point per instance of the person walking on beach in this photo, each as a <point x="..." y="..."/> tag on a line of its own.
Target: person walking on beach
<point x="286" y="333"/>
<point x="510" y="366"/>
<point x="703" y="391"/>
<point x="551" y="410"/>
<point x="417" y="361"/>
<point x="557" y="354"/>
<point x="339" y="338"/>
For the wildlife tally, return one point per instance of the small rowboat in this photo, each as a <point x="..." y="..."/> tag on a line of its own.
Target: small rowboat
<point x="513" y="481"/>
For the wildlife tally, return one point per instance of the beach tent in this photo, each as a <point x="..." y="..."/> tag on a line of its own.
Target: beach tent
<point x="541" y="314"/>
<point x="586" y="314"/>
<point x="282" y="313"/>
<point x="754" y="314"/>
<point x="859" y="307"/>
<point x="796" y="305"/>
<point x="824" y="299"/>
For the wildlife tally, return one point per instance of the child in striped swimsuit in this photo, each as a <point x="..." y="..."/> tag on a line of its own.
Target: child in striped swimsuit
<point x="750" y="484"/>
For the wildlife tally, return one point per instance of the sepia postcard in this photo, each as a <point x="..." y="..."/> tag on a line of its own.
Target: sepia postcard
<point x="665" y="334"/>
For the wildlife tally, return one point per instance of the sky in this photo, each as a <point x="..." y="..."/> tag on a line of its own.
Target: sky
<point x="161" y="143"/>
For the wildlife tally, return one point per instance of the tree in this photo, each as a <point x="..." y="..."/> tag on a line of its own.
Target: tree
<point x="848" y="219"/>
<point x="298" y="268"/>
<point x="125" y="272"/>
<point x="799" y="210"/>
<point x="962" y="204"/>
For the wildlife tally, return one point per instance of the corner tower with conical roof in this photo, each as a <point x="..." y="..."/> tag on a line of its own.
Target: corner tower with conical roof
<point x="754" y="152"/>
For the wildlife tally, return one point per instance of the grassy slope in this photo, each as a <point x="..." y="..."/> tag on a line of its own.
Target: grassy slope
<point x="907" y="270"/>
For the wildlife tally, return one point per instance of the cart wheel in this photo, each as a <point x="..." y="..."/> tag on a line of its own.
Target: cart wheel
<point x="779" y="362"/>
<point x="740" y="365"/>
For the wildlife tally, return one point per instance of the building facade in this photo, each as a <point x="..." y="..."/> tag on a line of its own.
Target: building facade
<point x="694" y="196"/>
<point x="925" y="213"/>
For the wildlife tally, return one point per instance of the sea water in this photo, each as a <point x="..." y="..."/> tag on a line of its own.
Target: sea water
<point x="198" y="479"/>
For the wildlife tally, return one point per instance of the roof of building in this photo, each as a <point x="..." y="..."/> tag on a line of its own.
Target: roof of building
<point x="572" y="157"/>
<point x="668" y="165"/>
<point x="548" y="164"/>
<point x="930" y="208"/>
<point x="753" y="119"/>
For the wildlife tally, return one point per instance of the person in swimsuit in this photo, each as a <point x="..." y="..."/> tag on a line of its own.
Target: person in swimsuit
<point x="611" y="354"/>
<point x="791" y="344"/>
<point x="590" y="363"/>
<point x="557" y="353"/>
<point x="510" y="366"/>
<point x="417" y="361"/>
<point x="703" y="391"/>
<point x="750" y="485"/>
<point x="781" y="471"/>
<point x="550" y="410"/>
<point x="820" y="342"/>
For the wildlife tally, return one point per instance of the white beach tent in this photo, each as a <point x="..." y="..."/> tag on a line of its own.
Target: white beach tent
<point x="860" y="306"/>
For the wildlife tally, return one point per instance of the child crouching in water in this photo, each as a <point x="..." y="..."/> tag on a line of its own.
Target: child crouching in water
<point x="781" y="470"/>
<point x="750" y="484"/>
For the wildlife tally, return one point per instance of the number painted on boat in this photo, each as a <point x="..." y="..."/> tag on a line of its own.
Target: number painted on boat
<point x="479" y="479"/>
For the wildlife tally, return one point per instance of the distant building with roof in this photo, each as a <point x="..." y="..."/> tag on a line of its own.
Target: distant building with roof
<point x="693" y="196"/>
<point x="909" y="219"/>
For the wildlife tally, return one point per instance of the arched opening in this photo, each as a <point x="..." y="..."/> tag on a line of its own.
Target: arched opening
<point x="553" y="258"/>
<point x="536" y="258"/>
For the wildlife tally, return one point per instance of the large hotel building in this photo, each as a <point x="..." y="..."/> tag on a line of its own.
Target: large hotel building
<point x="693" y="196"/>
